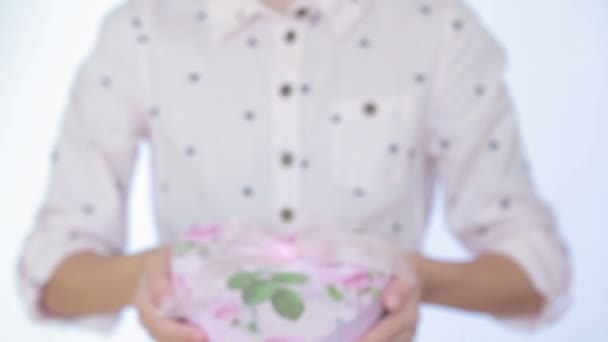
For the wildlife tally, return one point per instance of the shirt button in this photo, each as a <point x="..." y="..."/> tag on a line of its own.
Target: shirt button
<point x="301" y="12"/>
<point x="287" y="159"/>
<point x="290" y="36"/>
<point x="286" y="90"/>
<point x="370" y="109"/>
<point x="287" y="215"/>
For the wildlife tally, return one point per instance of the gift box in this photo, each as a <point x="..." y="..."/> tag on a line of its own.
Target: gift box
<point x="239" y="282"/>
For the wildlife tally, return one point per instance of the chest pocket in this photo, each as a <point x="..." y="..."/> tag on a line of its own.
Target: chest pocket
<point x="370" y="139"/>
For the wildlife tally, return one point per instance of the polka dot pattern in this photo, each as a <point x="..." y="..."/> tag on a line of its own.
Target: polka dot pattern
<point x="505" y="203"/>
<point x="420" y="78"/>
<point x="194" y="77"/>
<point x="305" y="88"/>
<point x="359" y="192"/>
<point x="143" y="39"/>
<point x="286" y="90"/>
<point x="190" y="151"/>
<point x="287" y="215"/>
<point x="393" y="148"/>
<point x="163" y="187"/>
<point x="397" y="227"/>
<point x="458" y="25"/>
<point x="106" y="82"/>
<point x="247" y="191"/>
<point x="411" y="153"/>
<point x="153" y="112"/>
<point x="425" y="10"/>
<point x="249" y="116"/>
<point x="481" y="231"/>
<point x="370" y="109"/>
<point x="305" y="164"/>
<point x="445" y="144"/>
<point x="88" y="209"/>
<point x="252" y="42"/>
<point x="364" y="43"/>
<point x="55" y="157"/>
<point x="136" y="22"/>
<point x="287" y="159"/>
<point x="336" y="118"/>
<point x="290" y="137"/>
<point x="290" y="36"/>
<point x="302" y="12"/>
<point x="201" y="16"/>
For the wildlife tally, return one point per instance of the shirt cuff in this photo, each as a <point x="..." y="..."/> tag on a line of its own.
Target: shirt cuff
<point x="42" y="255"/>
<point x="541" y="255"/>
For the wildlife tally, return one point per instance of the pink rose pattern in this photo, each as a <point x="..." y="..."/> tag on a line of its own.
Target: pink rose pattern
<point x="203" y="233"/>
<point x="227" y="312"/>
<point x="358" y="281"/>
<point x="346" y="284"/>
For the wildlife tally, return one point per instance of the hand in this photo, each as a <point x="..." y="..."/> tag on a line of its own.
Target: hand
<point x="154" y="287"/>
<point x="401" y="301"/>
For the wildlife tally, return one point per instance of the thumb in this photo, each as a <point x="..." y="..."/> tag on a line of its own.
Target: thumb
<point x="157" y="277"/>
<point x="395" y="295"/>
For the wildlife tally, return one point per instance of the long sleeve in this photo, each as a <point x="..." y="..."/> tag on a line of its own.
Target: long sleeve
<point x="491" y="203"/>
<point x="84" y="208"/>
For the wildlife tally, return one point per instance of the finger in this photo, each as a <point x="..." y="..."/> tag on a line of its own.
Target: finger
<point x="173" y="331"/>
<point x="157" y="277"/>
<point x="410" y="326"/>
<point x="395" y="295"/>
<point x="405" y="337"/>
<point x="397" y="326"/>
<point x="166" y="329"/>
<point x="389" y="328"/>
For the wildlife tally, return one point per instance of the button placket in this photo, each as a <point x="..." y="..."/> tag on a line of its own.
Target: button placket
<point x="286" y="123"/>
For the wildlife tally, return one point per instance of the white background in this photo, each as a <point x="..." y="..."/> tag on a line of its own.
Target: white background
<point x="559" y="74"/>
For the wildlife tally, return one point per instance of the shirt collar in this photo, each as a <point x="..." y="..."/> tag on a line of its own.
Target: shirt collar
<point x="229" y="17"/>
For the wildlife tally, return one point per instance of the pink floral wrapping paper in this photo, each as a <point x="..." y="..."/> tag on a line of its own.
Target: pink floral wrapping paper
<point x="244" y="283"/>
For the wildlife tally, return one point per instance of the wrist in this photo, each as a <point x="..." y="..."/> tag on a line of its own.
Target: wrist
<point x="129" y="268"/>
<point x="433" y="276"/>
<point x="437" y="277"/>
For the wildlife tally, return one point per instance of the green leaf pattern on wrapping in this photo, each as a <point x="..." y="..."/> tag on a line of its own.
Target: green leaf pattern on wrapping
<point x="203" y="251"/>
<point x="253" y="326"/>
<point x="235" y="322"/>
<point x="257" y="288"/>
<point x="376" y="292"/>
<point x="290" y="278"/>
<point x="259" y="292"/>
<point x="241" y="280"/>
<point x="184" y="248"/>
<point x="288" y="304"/>
<point x="334" y="293"/>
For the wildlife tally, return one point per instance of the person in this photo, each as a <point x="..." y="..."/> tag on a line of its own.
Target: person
<point x="281" y="112"/>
